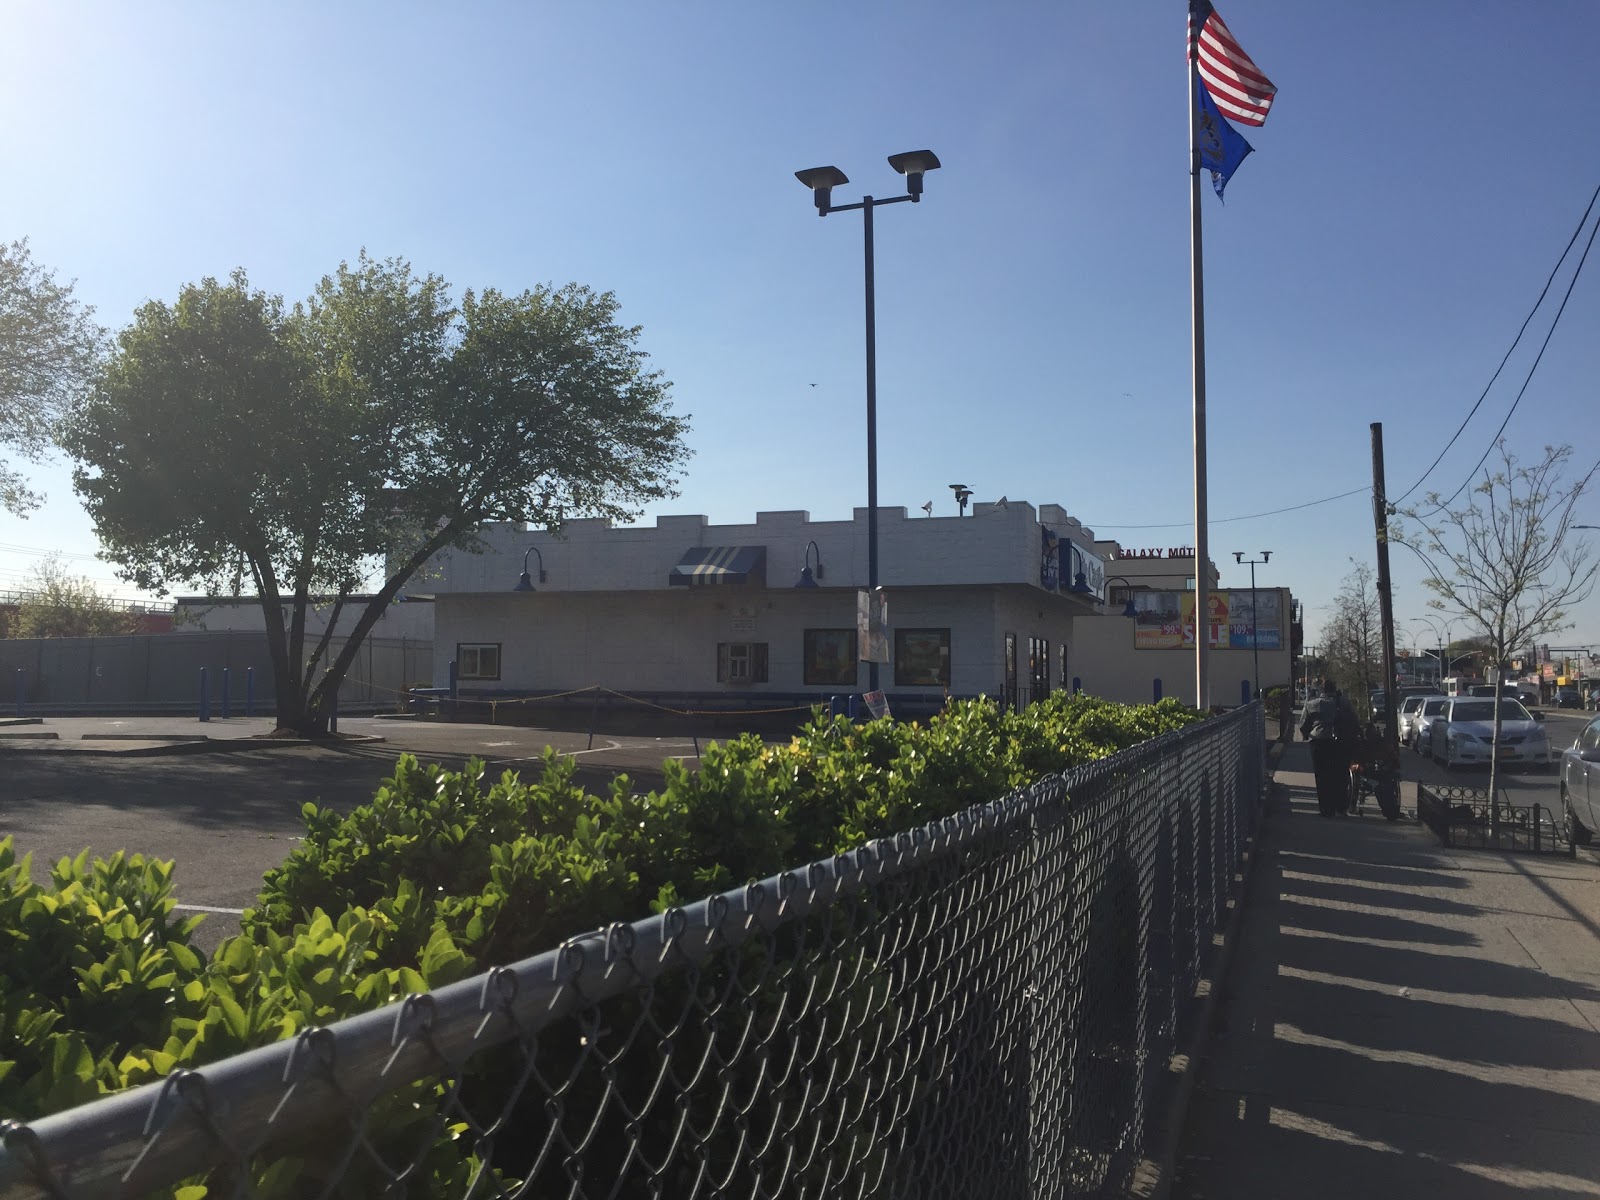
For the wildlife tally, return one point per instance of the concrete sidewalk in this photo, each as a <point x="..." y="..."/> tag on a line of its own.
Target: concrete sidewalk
<point x="1400" y="1020"/>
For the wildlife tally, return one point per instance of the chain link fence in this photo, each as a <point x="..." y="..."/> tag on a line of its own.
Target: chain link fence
<point x="985" y="1007"/>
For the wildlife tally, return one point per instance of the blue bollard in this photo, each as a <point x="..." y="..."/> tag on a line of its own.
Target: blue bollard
<point x="333" y="712"/>
<point x="227" y="700"/>
<point x="852" y="708"/>
<point x="1244" y="691"/>
<point x="1077" y="685"/>
<point x="205" y="696"/>
<point x="1158" y="689"/>
<point x="22" y="689"/>
<point x="455" y="681"/>
<point x="249" y="691"/>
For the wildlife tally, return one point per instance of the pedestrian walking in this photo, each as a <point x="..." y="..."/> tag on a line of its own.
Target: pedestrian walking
<point x="1331" y="727"/>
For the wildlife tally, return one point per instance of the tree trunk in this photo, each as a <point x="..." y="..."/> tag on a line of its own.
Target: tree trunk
<point x="1494" y="763"/>
<point x="318" y="699"/>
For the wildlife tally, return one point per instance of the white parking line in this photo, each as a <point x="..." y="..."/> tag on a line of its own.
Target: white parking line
<point x="209" y="908"/>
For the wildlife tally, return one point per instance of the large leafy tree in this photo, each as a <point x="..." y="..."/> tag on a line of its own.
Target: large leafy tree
<point x="233" y="441"/>
<point x="47" y="348"/>
<point x="1502" y="560"/>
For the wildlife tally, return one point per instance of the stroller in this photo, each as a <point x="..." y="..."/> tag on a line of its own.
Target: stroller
<point x="1377" y="774"/>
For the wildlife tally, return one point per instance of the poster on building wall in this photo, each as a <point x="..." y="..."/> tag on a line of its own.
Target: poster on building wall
<point x="1216" y="622"/>
<point x="1165" y="620"/>
<point x="1254" y="626"/>
<point x="872" y="625"/>
<point x="1159" y="623"/>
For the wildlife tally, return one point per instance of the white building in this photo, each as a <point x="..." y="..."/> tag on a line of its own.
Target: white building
<point x="710" y="615"/>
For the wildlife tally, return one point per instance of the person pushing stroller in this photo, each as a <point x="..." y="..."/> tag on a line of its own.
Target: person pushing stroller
<point x="1330" y="725"/>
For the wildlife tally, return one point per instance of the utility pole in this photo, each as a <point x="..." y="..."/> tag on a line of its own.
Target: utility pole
<point x="1380" y="519"/>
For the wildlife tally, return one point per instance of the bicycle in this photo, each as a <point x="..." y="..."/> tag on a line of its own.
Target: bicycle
<point x="1376" y="775"/>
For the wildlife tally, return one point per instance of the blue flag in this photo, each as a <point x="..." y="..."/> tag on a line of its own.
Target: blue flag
<point x="1222" y="147"/>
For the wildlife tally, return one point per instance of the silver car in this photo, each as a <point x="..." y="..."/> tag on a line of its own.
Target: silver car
<point x="1580" y="784"/>
<point x="1417" y="732"/>
<point x="1463" y="733"/>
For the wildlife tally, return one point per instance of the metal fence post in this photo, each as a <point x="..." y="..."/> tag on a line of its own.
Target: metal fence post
<point x="455" y="681"/>
<point x="333" y="711"/>
<point x="227" y="700"/>
<point x="1157" y="689"/>
<point x="22" y="689"/>
<point x="205" y="696"/>
<point x="1244" y="691"/>
<point x="249" y="691"/>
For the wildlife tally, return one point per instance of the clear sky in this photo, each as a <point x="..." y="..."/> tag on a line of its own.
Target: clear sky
<point x="1422" y="168"/>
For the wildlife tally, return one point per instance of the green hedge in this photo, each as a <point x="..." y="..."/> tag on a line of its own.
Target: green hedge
<point x="445" y="873"/>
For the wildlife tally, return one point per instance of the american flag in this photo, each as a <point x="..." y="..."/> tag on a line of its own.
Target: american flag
<point x="1241" y="91"/>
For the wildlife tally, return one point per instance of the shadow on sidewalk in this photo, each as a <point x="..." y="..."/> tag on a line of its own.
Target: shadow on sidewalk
<point x="1385" y="1031"/>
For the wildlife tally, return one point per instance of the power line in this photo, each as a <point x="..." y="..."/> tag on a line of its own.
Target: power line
<point x="1247" y="517"/>
<point x="1526" y="320"/>
<point x="11" y="549"/>
<point x="1494" y="441"/>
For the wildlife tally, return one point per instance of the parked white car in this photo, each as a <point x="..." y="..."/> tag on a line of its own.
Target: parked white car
<point x="1417" y="734"/>
<point x="1463" y="733"/>
<point x="1580" y="785"/>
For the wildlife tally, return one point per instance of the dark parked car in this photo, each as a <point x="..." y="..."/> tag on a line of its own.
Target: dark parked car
<point x="1568" y="698"/>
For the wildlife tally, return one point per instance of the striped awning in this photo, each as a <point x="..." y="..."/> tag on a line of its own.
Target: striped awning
<point x="718" y="564"/>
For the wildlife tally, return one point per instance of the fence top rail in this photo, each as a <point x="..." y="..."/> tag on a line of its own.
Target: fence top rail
<point x="244" y="1101"/>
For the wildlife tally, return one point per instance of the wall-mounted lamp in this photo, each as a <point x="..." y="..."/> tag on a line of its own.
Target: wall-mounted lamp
<point x="808" y="577"/>
<point x="1080" y="582"/>
<point x="1128" y="610"/>
<point x="525" y="584"/>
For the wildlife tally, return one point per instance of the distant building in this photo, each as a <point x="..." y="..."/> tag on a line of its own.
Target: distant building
<point x="408" y="617"/>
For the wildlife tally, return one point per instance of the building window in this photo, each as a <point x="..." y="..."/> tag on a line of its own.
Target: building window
<point x="477" y="660"/>
<point x="741" y="662"/>
<point x="830" y="657"/>
<point x="922" y="658"/>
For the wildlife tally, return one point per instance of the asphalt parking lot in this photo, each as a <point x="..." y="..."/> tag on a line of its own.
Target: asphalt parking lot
<point x="227" y="815"/>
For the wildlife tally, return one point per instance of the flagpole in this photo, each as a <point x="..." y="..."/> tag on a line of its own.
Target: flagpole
<point x="1202" y="556"/>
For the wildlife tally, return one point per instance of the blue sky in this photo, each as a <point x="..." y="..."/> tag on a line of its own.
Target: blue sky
<point x="1422" y="168"/>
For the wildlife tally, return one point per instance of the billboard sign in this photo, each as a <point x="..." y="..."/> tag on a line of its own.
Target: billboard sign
<point x="1166" y="620"/>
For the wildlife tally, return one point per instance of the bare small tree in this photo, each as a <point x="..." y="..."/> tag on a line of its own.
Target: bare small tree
<point x="1353" y="637"/>
<point x="56" y="603"/>
<point x="1502" y="561"/>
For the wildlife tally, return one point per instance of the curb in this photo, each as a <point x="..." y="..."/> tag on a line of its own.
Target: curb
<point x="1152" y="1178"/>
<point x="155" y="745"/>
